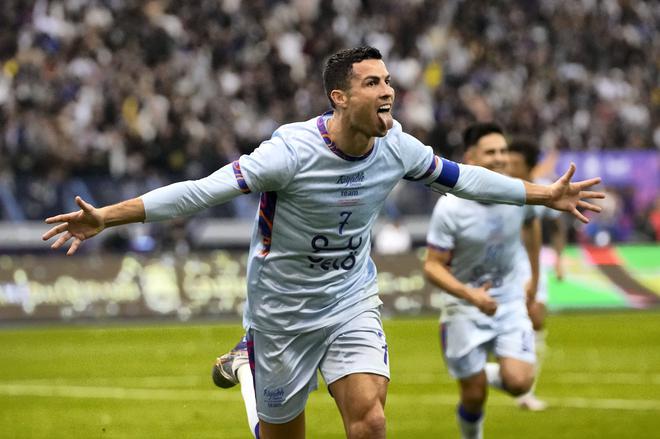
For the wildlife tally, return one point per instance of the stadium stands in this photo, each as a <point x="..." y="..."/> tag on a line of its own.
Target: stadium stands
<point x="111" y="99"/>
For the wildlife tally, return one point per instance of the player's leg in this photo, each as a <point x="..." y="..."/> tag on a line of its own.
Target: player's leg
<point x="284" y="369"/>
<point x="294" y="429"/>
<point x="356" y="368"/>
<point x="470" y="411"/>
<point x="537" y="314"/>
<point x="517" y="375"/>
<point x="360" y="398"/>
<point x="514" y="348"/>
<point x="465" y="349"/>
<point x="233" y="368"/>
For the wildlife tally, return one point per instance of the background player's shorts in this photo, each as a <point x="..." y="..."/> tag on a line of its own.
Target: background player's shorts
<point x="285" y="366"/>
<point x="467" y="339"/>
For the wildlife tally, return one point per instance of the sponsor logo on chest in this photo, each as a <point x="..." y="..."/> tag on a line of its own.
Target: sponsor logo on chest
<point x="350" y="185"/>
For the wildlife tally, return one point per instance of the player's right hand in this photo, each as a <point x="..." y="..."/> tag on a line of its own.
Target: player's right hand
<point x="482" y="300"/>
<point x="79" y="225"/>
<point x="567" y="196"/>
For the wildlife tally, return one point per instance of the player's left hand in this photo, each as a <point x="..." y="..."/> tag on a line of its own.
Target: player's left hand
<point x="567" y="196"/>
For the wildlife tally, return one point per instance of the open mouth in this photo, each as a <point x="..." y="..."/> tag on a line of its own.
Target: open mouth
<point x="384" y="114"/>
<point x="386" y="108"/>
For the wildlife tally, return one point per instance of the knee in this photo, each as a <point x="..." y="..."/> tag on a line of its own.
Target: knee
<point x="519" y="385"/>
<point x="370" y="425"/>
<point x="473" y="398"/>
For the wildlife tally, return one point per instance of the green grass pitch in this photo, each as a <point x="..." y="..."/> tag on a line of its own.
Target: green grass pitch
<point x="601" y="377"/>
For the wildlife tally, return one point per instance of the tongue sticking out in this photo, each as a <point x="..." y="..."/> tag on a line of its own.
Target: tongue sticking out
<point x="386" y="120"/>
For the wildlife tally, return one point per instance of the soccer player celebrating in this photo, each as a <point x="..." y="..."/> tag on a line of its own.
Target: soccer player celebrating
<point x="312" y="296"/>
<point x="475" y="255"/>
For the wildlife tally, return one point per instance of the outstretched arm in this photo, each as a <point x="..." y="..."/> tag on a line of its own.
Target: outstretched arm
<point x="481" y="184"/>
<point x="175" y="200"/>
<point x="90" y="221"/>
<point x="564" y="195"/>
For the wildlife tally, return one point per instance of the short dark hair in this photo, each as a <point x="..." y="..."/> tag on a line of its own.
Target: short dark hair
<point x="528" y="148"/>
<point x="476" y="131"/>
<point x="339" y="67"/>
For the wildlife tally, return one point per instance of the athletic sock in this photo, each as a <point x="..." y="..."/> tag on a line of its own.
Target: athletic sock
<point x="247" y="390"/>
<point x="471" y="424"/>
<point x="493" y="375"/>
<point x="541" y="350"/>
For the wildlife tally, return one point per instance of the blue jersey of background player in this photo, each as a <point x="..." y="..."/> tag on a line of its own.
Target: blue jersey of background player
<point x="350" y="350"/>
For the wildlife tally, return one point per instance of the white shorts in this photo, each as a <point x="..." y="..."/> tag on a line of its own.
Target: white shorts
<point x="285" y="366"/>
<point x="468" y="339"/>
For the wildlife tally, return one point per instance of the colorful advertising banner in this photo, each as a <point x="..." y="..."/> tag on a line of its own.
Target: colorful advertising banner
<point x="638" y="171"/>
<point x="213" y="284"/>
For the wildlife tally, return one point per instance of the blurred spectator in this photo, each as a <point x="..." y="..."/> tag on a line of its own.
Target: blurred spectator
<point x="613" y="224"/>
<point x="393" y="237"/>
<point x="650" y="221"/>
<point x="117" y="97"/>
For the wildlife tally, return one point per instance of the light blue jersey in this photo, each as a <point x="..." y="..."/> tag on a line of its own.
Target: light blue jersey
<point x="309" y="264"/>
<point x="485" y="245"/>
<point x="309" y="256"/>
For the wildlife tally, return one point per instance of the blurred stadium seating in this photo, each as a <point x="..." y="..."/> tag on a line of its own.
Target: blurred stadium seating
<point x="110" y="99"/>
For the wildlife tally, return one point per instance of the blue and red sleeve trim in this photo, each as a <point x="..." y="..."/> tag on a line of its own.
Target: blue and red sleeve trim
<point x="429" y="171"/>
<point x="236" y="166"/>
<point x="448" y="173"/>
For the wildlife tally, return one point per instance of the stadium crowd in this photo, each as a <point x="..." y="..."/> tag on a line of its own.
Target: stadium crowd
<point x="110" y="98"/>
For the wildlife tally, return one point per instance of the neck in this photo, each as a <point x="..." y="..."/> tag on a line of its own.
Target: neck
<point x="349" y="140"/>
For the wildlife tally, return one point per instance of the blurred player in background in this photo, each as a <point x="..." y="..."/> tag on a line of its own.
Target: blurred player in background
<point x="312" y="294"/>
<point x="523" y="160"/>
<point x="475" y="255"/>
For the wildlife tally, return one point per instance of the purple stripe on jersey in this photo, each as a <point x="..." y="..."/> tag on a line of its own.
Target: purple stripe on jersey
<point x="449" y="173"/>
<point x="438" y="248"/>
<point x="320" y="123"/>
<point x="266" y="216"/>
<point x="250" y="350"/>
<point x="442" y="249"/>
<point x="239" y="177"/>
<point x="429" y="171"/>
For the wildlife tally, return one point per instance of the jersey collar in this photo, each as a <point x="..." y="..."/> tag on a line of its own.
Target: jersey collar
<point x="320" y="123"/>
